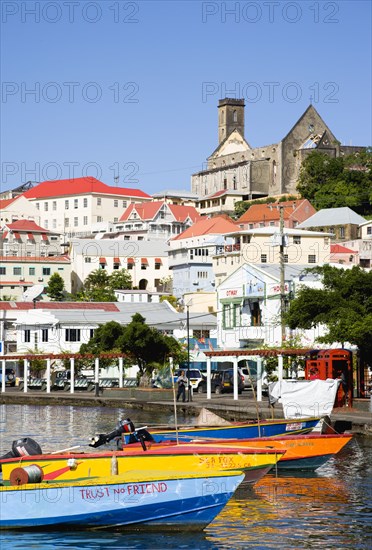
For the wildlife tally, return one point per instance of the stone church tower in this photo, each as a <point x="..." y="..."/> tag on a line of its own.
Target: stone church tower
<point x="230" y="117"/>
<point x="269" y="170"/>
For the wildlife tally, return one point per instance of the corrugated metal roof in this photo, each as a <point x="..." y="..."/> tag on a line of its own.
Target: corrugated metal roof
<point x="122" y="249"/>
<point x="332" y="216"/>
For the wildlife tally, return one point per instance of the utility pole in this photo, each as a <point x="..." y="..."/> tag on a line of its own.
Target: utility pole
<point x="282" y="273"/>
<point x="189" y="396"/>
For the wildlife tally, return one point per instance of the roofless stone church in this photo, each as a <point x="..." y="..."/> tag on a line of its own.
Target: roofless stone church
<point x="261" y="171"/>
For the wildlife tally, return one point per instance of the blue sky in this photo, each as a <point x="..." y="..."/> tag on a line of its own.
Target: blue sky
<point x="130" y="89"/>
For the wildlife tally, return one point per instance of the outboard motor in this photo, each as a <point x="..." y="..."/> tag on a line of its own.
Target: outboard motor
<point x="124" y="427"/>
<point x="23" y="447"/>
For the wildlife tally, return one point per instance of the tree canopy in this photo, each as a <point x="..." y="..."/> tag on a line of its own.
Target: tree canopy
<point x="143" y="345"/>
<point x="343" y="306"/>
<point x="335" y="182"/>
<point x="99" y="286"/>
<point x="56" y="288"/>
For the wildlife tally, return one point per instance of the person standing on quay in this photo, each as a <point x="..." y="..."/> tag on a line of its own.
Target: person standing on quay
<point x="182" y="383"/>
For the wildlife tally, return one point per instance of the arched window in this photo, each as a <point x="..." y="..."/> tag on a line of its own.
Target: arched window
<point x="274" y="171"/>
<point x="235" y="116"/>
<point x="143" y="284"/>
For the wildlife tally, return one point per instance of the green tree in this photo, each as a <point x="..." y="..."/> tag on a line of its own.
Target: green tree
<point x="120" y="280"/>
<point x="97" y="287"/>
<point x="146" y="346"/>
<point x="343" y="306"/>
<point x="240" y="208"/>
<point x="334" y="182"/>
<point x="55" y="288"/>
<point x="141" y="344"/>
<point x="106" y="337"/>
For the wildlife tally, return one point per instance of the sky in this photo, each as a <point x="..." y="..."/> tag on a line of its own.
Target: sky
<point x="127" y="91"/>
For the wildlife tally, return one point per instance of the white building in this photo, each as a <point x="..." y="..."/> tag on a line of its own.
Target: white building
<point x="26" y="238"/>
<point x="18" y="208"/>
<point x="139" y="296"/>
<point x="248" y="302"/>
<point x="155" y="220"/>
<point x="61" y="329"/>
<point x="74" y="206"/>
<point x="146" y="261"/>
<point x="191" y="253"/>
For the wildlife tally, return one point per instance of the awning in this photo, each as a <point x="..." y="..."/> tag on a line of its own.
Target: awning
<point x="30" y="236"/>
<point x="44" y="237"/>
<point x="158" y="261"/>
<point x="5" y="234"/>
<point x="116" y="260"/>
<point x="144" y="261"/>
<point x="16" y="235"/>
<point x="130" y="260"/>
<point x="102" y="261"/>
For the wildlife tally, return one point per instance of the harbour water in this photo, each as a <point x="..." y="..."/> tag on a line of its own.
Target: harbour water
<point x="330" y="508"/>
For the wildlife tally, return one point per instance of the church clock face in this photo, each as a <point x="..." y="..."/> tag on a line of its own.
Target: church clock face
<point x="311" y="127"/>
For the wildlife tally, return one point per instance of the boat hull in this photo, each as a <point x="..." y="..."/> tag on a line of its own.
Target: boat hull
<point x="163" y="502"/>
<point x="301" y="452"/>
<point x="266" y="428"/>
<point x="255" y="463"/>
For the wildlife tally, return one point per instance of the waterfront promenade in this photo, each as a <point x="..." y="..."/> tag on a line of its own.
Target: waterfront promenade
<point x="245" y="408"/>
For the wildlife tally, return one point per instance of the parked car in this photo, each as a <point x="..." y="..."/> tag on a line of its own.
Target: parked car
<point x="250" y="377"/>
<point x="195" y="376"/>
<point x="222" y="381"/>
<point x="10" y="377"/>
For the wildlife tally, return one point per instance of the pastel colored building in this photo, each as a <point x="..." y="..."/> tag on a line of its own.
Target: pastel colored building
<point x="19" y="273"/>
<point x="261" y="246"/>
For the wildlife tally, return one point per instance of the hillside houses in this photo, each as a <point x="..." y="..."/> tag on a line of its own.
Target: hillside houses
<point x="180" y="243"/>
<point x="75" y="206"/>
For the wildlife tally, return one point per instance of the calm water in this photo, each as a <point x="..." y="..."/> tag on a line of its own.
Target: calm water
<point x="330" y="509"/>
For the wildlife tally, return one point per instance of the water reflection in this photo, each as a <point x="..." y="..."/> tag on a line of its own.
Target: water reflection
<point x="331" y="508"/>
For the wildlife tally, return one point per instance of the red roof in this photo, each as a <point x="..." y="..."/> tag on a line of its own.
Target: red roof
<point x="270" y="211"/>
<point x="181" y="212"/>
<point x="148" y="211"/>
<point x="106" y="306"/>
<point x="218" y="225"/>
<point x="80" y="186"/>
<point x="339" y="249"/>
<point x="215" y="195"/>
<point x="5" y="202"/>
<point x="26" y="225"/>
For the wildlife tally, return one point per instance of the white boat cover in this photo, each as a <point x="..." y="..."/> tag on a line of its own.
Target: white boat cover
<point x="305" y="398"/>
